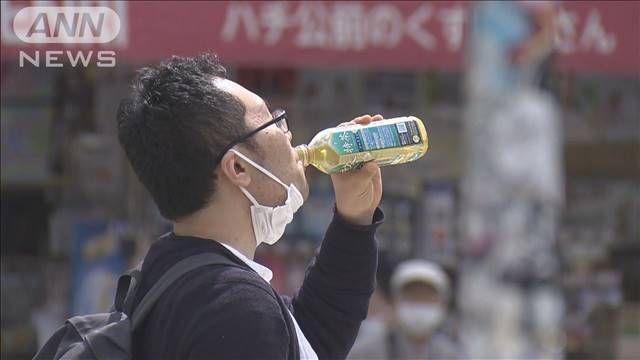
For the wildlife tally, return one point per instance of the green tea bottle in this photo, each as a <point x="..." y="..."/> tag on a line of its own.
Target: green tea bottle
<point x="386" y="142"/>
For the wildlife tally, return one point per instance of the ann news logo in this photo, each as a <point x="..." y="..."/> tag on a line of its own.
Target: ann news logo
<point x="67" y="25"/>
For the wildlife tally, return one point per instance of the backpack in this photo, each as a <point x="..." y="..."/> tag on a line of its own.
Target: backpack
<point x="108" y="335"/>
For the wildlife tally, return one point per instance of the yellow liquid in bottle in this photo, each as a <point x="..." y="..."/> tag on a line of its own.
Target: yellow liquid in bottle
<point x="386" y="142"/>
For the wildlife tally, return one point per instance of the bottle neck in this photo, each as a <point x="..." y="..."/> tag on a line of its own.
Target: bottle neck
<point x="304" y="154"/>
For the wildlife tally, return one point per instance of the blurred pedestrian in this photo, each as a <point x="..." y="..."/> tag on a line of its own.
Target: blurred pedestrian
<point x="420" y="293"/>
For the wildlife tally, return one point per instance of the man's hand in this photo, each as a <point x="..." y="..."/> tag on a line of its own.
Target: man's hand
<point x="358" y="192"/>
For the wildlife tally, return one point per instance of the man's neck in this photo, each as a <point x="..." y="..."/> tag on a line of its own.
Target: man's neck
<point x="227" y="222"/>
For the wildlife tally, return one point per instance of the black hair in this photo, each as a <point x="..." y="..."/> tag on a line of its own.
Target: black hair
<point x="173" y="126"/>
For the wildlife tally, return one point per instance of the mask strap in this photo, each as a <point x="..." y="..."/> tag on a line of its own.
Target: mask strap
<point x="249" y="196"/>
<point x="263" y="170"/>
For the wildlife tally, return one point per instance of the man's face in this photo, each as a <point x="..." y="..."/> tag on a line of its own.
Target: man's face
<point x="275" y="152"/>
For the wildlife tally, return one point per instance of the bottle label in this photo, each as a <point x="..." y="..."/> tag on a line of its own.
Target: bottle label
<point x="376" y="137"/>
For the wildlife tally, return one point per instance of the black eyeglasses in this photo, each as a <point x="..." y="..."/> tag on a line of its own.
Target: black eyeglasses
<point x="279" y="117"/>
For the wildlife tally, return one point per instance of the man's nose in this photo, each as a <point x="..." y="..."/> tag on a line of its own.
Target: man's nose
<point x="289" y="135"/>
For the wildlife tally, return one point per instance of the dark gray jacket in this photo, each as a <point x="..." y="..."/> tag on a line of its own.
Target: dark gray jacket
<point x="228" y="312"/>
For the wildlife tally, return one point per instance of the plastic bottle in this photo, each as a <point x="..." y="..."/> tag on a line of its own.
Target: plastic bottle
<point x="386" y="142"/>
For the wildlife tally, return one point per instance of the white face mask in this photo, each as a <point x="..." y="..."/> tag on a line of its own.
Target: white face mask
<point x="269" y="222"/>
<point x="419" y="319"/>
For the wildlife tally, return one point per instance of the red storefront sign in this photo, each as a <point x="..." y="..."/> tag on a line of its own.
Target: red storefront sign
<point x="589" y="36"/>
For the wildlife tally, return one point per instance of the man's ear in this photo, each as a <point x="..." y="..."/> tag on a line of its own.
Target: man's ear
<point x="235" y="170"/>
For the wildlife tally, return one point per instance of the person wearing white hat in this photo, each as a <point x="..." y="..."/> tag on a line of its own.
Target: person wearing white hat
<point x="420" y="292"/>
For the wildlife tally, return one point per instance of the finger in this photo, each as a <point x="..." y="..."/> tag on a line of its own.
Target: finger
<point x="362" y="120"/>
<point x="359" y="118"/>
<point x="377" y="117"/>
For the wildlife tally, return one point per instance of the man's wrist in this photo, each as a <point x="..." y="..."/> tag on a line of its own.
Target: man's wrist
<point x="378" y="218"/>
<point x="356" y="219"/>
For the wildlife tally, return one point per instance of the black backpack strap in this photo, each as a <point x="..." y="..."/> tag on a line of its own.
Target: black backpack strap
<point x="136" y="279"/>
<point x="125" y="290"/>
<point x="174" y="273"/>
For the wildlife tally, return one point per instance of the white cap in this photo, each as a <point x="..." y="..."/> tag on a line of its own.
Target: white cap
<point x="420" y="271"/>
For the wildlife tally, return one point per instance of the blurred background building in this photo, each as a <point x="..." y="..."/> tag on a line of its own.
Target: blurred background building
<point x="74" y="216"/>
